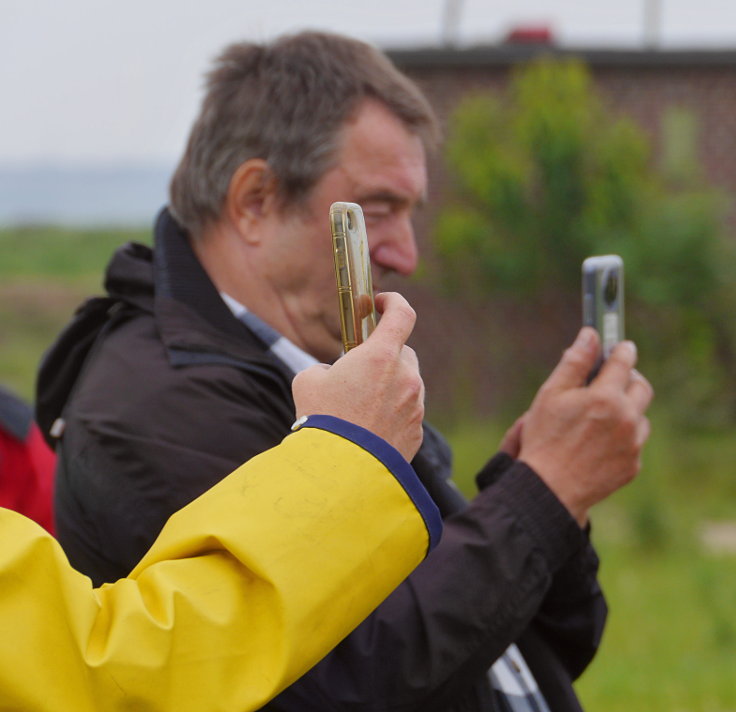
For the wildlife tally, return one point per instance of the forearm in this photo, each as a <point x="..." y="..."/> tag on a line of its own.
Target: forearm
<point x="447" y="623"/>
<point x="307" y="537"/>
<point x="573" y="613"/>
<point x="119" y="479"/>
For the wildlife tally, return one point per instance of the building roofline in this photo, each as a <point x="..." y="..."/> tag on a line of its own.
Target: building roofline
<point x="509" y="54"/>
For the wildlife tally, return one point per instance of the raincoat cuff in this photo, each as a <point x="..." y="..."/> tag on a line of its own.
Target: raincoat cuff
<point x="391" y="458"/>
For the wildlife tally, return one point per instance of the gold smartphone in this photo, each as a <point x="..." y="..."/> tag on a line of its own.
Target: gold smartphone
<point x="603" y="301"/>
<point x="353" y="273"/>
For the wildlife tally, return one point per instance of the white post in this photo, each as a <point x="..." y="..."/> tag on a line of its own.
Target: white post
<point x="652" y="23"/>
<point x="451" y="22"/>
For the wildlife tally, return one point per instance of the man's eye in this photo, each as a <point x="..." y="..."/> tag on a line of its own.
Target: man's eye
<point x="376" y="215"/>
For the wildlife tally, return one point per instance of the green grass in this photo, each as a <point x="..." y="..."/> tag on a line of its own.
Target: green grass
<point x="60" y="254"/>
<point x="671" y="639"/>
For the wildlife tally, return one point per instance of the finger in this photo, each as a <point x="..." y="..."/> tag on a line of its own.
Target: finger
<point x="577" y="361"/>
<point x="640" y="391"/>
<point x="397" y="321"/>
<point x="643" y="429"/>
<point x="617" y="369"/>
<point x="364" y="305"/>
<point x="409" y="356"/>
<point x="511" y="441"/>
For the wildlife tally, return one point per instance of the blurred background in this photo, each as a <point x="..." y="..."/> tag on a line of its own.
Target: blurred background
<point x="571" y="128"/>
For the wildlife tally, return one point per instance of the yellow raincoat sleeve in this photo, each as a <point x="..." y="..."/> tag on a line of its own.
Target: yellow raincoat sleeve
<point x="244" y="590"/>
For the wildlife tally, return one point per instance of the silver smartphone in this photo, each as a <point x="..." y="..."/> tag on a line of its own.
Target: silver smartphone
<point x="353" y="273"/>
<point x="603" y="301"/>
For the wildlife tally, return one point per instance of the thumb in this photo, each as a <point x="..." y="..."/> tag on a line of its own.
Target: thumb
<point x="577" y="361"/>
<point x="511" y="441"/>
<point x="397" y="320"/>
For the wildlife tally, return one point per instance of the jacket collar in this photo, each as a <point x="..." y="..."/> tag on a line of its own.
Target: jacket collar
<point x="190" y="314"/>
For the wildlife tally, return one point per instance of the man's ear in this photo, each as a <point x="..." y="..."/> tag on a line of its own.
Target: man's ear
<point x="250" y="197"/>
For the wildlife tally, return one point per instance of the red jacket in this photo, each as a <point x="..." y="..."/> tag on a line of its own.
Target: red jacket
<point x="26" y="463"/>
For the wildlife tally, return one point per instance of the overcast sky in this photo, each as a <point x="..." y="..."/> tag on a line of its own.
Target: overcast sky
<point x="103" y="82"/>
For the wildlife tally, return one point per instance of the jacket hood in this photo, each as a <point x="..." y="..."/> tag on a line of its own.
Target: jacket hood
<point x="129" y="281"/>
<point x="129" y="275"/>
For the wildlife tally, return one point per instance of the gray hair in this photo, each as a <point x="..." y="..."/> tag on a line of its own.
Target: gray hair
<point x="286" y="103"/>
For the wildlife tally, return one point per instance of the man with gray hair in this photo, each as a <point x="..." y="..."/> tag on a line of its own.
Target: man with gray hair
<point x="237" y="296"/>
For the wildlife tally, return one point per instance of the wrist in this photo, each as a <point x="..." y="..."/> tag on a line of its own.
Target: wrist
<point x="564" y="488"/>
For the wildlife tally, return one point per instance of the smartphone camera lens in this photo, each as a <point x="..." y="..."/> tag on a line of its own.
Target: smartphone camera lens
<point x="610" y="289"/>
<point x="350" y="220"/>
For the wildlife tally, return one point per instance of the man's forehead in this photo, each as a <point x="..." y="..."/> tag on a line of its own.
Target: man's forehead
<point x="386" y="169"/>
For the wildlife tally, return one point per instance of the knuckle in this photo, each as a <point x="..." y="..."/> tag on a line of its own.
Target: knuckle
<point x="644" y="429"/>
<point x="415" y="388"/>
<point x="413" y="393"/>
<point x="573" y="357"/>
<point x="624" y="353"/>
<point x="381" y="356"/>
<point x="648" y="389"/>
<point x="628" y="430"/>
<point x="416" y="419"/>
<point x="602" y="403"/>
<point x="546" y="391"/>
<point x="301" y="378"/>
<point x="641" y="381"/>
<point x="407" y="311"/>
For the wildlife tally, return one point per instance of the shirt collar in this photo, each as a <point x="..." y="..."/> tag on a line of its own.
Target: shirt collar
<point x="284" y="350"/>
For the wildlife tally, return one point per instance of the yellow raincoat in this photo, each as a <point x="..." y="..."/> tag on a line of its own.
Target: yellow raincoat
<point x="245" y="589"/>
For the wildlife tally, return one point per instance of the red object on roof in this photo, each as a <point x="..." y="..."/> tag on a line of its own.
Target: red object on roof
<point x="530" y="34"/>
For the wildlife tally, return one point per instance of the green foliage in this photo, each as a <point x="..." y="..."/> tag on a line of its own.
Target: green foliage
<point x="546" y="175"/>
<point x="540" y="179"/>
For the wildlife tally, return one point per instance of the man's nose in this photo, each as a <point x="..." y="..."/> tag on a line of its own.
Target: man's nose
<point x="397" y="250"/>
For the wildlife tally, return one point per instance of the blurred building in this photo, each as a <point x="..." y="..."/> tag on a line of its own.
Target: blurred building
<point x="642" y="84"/>
<point x="459" y="368"/>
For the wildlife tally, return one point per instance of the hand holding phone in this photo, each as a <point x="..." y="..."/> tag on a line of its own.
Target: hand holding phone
<point x="603" y="301"/>
<point x="353" y="273"/>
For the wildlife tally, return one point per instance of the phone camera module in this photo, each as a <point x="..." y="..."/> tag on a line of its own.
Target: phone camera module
<point x="351" y="222"/>
<point x="610" y="288"/>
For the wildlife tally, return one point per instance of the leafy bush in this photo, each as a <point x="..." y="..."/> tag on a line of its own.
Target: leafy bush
<point x="548" y="174"/>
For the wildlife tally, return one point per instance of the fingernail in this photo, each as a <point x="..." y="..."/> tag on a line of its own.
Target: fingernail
<point x="584" y="338"/>
<point x="631" y="346"/>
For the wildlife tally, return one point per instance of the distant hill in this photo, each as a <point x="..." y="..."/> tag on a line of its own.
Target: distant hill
<point x="82" y="195"/>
